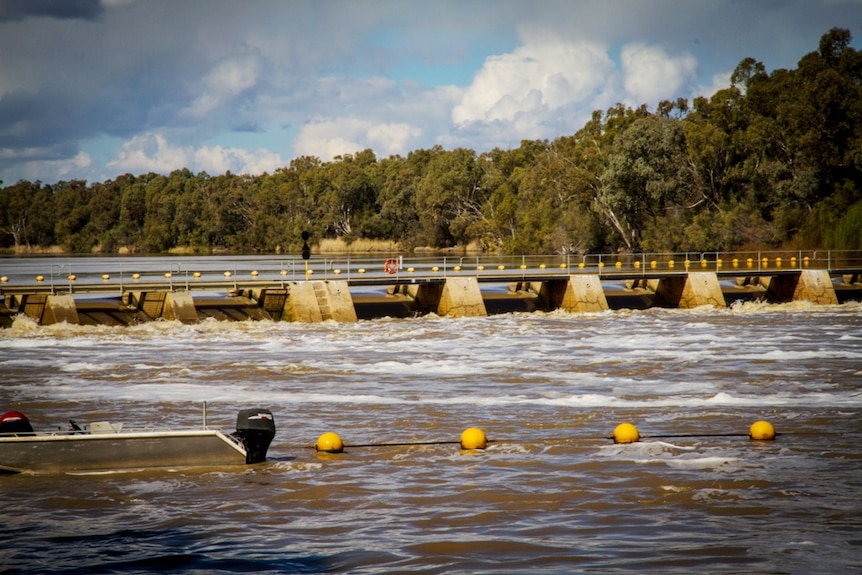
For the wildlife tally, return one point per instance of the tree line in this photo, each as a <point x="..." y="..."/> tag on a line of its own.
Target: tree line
<point x="772" y="161"/>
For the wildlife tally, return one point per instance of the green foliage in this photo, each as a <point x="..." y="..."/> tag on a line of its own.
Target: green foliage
<point x="774" y="159"/>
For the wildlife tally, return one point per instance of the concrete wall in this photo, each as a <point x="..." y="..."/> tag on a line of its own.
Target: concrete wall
<point x="689" y="291"/>
<point x="60" y="308"/>
<point x="578" y="293"/>
<point x="180" y="306"/>
<point x="456" y="297"/>
<point x="318" y="301"/>
<point x="809" y="285"/>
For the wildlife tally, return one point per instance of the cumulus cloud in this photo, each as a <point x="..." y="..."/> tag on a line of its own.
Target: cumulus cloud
<point x="152" y="152"/>
<point x="170" y="78"/>
<point x="719" y="81"/>
<point x="541" y="76"/>
<point x="326" y="139"/>
<point x="67" y="168"/>
<point x="227" y="80"/>
<point x="651" y="75"/>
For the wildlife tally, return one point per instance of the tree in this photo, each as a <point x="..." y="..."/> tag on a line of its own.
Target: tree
<point x="646" y="173"/>
<point x="448" y="197"/>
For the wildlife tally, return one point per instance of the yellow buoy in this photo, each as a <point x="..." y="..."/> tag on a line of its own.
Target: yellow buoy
<point x="626" y="433"/>
<point x="330" y="443"/>
<point x="106" y="277"/>
<point x="227" y="274"/>
<point x="457" y="268"/>
<point x="473" y="438"/>
<point x="761" y="430"/>
<point x="196" y="275"/>
<point x="40" y="278"/>
<point x="4" y="279"/>
<point x="72" y="277"/>
<point x="168" y="276"/>
<point x="254" y="273"/>
<point x="136" y="277"/>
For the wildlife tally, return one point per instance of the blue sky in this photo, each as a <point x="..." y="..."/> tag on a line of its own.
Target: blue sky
<point x="92" y="89"/>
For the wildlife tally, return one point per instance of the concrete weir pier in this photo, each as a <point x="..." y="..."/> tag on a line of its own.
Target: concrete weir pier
<point x="454" y="296"/>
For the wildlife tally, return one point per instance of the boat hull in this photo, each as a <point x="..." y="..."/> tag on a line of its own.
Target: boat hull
<point x="115" y="451"/>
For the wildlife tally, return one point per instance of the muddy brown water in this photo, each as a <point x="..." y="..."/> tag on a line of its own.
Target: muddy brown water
<point x="551" y="494"/>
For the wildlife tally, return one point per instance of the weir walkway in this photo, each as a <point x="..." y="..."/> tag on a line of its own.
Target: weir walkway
<point x="125" y="291"/>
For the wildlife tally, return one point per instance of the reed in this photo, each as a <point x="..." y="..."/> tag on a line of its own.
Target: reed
<point x="360" y="246"/>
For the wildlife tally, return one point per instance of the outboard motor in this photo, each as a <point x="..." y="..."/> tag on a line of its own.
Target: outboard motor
<point x="15" y="422"/>
<point x="255" y="429"/>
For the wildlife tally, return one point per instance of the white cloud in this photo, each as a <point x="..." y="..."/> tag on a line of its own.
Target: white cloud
<point x="153" y="153"/>
<point x="33" y="170"/>
<point x="227" y="80"/>
<point x="720" y="81"/>
<point x="544" y="74"/>
<point x="651" y="75"/>
<point x="326" y="139"/>
<point x="391" y="138"/>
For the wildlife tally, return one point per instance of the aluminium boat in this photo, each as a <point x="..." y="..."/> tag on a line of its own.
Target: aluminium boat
<point x="103" y="446"/>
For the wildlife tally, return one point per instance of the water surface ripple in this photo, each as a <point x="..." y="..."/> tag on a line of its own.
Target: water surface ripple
<point x="551" y="494"/>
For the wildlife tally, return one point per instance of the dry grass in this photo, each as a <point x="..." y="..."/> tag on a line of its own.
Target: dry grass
<point x="339" y="246"/>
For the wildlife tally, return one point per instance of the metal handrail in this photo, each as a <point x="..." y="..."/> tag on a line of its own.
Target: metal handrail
<point x="125" y="275"/>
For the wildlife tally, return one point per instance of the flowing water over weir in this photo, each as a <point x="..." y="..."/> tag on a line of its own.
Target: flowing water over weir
<point x="550" y="494"/>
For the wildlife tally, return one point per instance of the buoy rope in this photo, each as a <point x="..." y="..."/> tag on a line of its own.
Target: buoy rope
<point x="544" y="442"/>
<point x="675" y="435"/>
<point x="401" y="444"/>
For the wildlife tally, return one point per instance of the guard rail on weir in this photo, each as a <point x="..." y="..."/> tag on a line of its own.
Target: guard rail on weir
<point x="132" y="289"/>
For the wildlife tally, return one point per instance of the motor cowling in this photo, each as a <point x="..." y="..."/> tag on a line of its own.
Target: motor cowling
<point x="255" y="429"/>
<point x="15" y="422"/>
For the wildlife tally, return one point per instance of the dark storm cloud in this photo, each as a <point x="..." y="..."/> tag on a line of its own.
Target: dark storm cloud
<point x="14" y="10"/>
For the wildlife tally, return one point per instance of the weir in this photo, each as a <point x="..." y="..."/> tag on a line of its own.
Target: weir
<point x="332" y="300"/>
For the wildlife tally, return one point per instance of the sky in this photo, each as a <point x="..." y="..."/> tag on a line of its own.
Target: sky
<point x="93" y="89"/>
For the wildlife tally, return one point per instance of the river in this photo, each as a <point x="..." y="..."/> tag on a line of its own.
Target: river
<point x="550" y="494"/>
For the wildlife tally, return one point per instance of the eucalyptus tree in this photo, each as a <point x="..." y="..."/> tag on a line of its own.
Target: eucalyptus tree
<point x="28" y="218"/>
<point x="646" y="175"/>
<point x="397" y="218"/>
<point x="449" y="197"/>
<point x="349" y="197"/>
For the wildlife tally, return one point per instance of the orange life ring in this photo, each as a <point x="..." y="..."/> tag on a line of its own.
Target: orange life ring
<point x="391" y="266"/>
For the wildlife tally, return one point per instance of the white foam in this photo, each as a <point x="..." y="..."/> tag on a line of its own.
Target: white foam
<point x="728" y="464"/>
